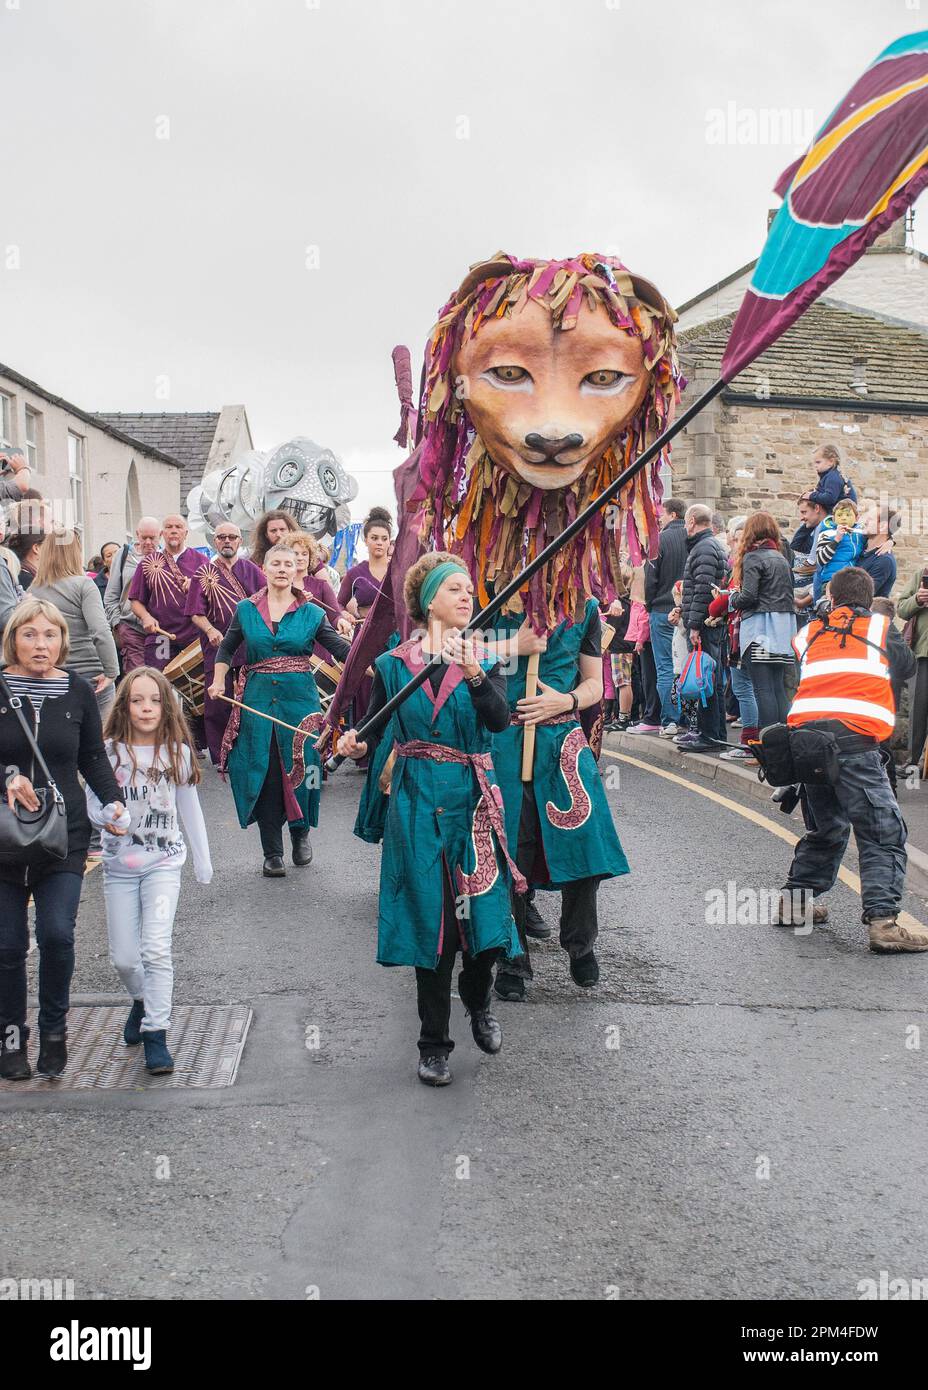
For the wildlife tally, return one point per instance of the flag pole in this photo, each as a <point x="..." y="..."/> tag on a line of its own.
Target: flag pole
<point x="379" y="720"/>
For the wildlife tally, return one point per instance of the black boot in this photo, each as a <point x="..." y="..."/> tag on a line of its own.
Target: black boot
<point x="510" y="987"/>
<point x="274" y="866"/>
<point x="302" y="849"/>
<point x="487" y="1033"/>
<point x="14" y="1061"/>
<point x="535" y="925"/>
<point x="53" y="1054"/>
<point x="584" y="970"/>
<point x="434" y="1069"/>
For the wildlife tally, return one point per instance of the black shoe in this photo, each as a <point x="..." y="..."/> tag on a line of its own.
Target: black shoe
<point x="487" y="1033"/>
<point x="132" y="1032"/>
<point x="584" y="970"/>
<point x="53" y="1054"/>
<point x="699" y="745"/>
<point x="302" y="849"/>
<point x="509" y="987"/>
<point x="434" y="1069"/>
<point x="14" y="1061"/>
<point x="274" y="866"/>
<point x="535" y="925"/>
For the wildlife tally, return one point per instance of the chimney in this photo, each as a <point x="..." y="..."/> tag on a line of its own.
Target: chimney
<point x="893" y="239"/>
<point x="858" y="380"/>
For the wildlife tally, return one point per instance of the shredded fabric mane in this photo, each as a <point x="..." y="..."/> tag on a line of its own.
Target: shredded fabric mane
<point x="496" y="522"/>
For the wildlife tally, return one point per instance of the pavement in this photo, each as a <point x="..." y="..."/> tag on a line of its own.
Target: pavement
<point x="735" y="1111"/>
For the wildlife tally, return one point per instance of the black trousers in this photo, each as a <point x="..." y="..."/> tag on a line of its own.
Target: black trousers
<point x="271" y="809"/>
<point x="710" y="718"/>
<point x="918" y="716"/>
<point x="433" y="987"/>
<point x="579" y="926"/>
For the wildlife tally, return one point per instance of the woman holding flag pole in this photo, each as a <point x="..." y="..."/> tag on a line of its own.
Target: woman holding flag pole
<point x="445" y="869"/>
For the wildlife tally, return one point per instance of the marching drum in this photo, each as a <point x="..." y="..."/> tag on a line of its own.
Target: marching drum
<point x="327" y="675"/>
<point x="185" y="673"/>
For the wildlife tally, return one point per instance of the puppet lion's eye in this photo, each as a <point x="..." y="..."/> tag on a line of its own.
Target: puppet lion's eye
<point x="508" y="374"/>
<point x="603" y="377"/>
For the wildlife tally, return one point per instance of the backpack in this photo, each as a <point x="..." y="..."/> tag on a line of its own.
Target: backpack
<point x="697" y="679"/>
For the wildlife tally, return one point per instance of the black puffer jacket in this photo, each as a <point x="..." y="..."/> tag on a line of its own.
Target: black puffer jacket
<point x="705" y="566"/>
<point x="766" y="584"/>
<point x="661" y="573"/>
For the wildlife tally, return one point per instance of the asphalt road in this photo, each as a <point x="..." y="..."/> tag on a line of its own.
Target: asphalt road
<point x="734" y="1112"/>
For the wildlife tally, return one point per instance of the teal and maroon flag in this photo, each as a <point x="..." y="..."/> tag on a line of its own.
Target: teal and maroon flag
<point x="866" y="165"/>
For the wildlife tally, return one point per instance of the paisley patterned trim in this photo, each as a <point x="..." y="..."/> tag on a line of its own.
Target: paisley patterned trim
<point x="580" y="807"/>
<point x="308" y="726"/>
<point x="486" y="868"/>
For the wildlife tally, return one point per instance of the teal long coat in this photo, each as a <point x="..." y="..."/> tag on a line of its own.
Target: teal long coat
<point x="577" y="830"/>
<point x="289" y="696"/>
<point x="430" y="817"/>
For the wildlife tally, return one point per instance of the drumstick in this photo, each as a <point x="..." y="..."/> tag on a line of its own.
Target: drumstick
<point x="261" y="715"/>
<point x="166" y="634"/>
<point x="528" y="737"/>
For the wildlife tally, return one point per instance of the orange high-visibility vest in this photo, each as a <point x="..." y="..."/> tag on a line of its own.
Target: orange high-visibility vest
<point x="845" y="673"/>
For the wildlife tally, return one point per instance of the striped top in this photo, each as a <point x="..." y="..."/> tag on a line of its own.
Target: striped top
<point x="37" y="691"/>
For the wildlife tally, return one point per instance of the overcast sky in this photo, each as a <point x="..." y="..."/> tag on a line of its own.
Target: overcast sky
<point x="170" y="167"/>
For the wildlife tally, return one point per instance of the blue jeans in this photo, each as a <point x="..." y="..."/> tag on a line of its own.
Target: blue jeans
<point x="661" y="648"/>
<point x="57" y="897"/>
<point x="743" y="689"/>
<point x="140" y="912"/>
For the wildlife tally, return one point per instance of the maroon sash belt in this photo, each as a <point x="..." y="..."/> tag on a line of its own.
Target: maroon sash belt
<point x="568" y="717"/>
<point x="490" y="805"/>
<point x="274" y="665"/>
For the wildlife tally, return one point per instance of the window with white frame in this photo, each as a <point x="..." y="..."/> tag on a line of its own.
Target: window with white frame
<point x="6" y="419"/>
<point x="76" y="475"/>
<point x="34" y="438"/>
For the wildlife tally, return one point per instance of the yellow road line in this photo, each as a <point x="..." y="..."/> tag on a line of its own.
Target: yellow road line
<point x="845" y="875"/>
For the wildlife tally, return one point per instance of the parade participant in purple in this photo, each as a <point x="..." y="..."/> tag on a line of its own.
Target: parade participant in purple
<point x="215" y="592"/>
<point x="361" y="585"/>
<point x="271" y="528"/>
<point x="158" y="594"/>
<point x="311" y="573"/>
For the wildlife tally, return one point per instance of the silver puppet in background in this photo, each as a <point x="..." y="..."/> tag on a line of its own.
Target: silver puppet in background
<point x="299" y="477"/>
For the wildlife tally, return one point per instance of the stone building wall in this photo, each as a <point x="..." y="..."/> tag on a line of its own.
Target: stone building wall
<point x="738" y="458"/>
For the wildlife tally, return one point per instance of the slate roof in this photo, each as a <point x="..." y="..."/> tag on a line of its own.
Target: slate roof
<point x="186" y="437"/>
<point x="89" y="417"/>
<point x="815" y="358"/>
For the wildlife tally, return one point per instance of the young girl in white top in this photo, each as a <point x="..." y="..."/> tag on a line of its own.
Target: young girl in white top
<point x="150" y="748"/>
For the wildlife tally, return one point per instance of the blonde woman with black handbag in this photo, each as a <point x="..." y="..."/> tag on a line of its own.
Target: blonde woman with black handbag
<point x="49" y="733"/>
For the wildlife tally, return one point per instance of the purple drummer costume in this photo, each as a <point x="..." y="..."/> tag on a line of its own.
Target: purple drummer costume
<point x="359" y="584"/>
<point x="161" y="582"/>
<point x="321" y="592"/>
<point x="215" y="592"/>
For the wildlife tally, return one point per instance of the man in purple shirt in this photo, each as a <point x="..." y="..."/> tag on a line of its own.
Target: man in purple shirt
<point x="158" y="594"/>
<point x="215" y="591"/>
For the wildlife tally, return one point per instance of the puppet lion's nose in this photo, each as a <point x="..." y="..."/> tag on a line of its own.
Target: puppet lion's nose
<point x="542" y="444"/>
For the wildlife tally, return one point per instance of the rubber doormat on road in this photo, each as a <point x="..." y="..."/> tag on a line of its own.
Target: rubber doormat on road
<point x="206" y="1042"/>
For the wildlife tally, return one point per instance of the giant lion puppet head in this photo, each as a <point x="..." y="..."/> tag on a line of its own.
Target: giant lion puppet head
<point x="543" y="380"/>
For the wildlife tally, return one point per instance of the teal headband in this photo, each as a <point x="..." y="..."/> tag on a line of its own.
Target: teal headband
<point x="434" y="580"/>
